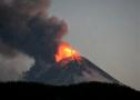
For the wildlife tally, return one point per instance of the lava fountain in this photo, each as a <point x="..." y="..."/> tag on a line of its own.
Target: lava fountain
<point x="65" y="51"/>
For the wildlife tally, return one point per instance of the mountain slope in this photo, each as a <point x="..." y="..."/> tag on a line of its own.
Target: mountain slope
<point x="65" y="73"/>
<point x="87" y="91"/>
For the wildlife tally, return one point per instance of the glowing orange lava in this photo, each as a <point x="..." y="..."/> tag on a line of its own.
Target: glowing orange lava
<point x="66" y="51"/>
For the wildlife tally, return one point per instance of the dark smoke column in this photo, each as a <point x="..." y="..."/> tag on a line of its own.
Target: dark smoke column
<point x="25" y="26"/>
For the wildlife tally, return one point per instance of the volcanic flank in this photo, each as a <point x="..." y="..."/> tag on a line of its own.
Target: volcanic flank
<point x="25" y="26"/>
<point x="68" y="72"/>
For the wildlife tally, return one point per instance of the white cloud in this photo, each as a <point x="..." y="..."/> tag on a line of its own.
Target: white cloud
<point x="11" y="68"/>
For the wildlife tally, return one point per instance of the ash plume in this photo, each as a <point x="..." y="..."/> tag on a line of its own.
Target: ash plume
<point x="26" y="27"/>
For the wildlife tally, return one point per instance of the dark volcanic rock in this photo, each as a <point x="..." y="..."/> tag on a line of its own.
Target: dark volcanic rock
<point x="67" y="73"/>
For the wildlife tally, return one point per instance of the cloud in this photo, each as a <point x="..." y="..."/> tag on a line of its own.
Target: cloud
<point x="12" y="68"/>
<point x="34" y="34"/>
<point x="25" y="27"/>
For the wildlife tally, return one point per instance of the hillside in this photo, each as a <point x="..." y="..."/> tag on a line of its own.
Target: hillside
<point x="83" y="90"/>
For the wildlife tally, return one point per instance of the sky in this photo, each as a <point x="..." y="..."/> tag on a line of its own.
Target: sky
<point x="106" y="32"/>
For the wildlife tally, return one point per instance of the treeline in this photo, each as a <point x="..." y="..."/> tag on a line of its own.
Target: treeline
<point x="89" y="91"/>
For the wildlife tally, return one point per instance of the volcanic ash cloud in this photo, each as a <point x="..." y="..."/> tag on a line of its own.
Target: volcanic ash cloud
<point x="26" y="27"/>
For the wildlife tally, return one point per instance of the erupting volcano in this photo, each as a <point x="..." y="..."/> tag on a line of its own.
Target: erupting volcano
<point x="65" y="51"/>
<point x="69" y="68"/>
<point x="26" y="27"/>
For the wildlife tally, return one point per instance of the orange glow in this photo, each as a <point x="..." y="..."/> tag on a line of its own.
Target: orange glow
<point x="66" y="51"/>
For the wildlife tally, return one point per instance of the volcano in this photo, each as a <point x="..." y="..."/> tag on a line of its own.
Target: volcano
<point x="28" y="28"/>
<point x="72" y="72"/>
